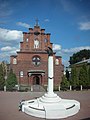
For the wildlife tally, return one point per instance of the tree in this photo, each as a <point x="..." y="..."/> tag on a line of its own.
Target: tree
<point x="67" y="75"/>
<point x="64" y="83"/>
<point x="2" y="80"/>
<point x="89" y="76"/>
<point x="83" y="76"/>
<point x="74" y="77"/>
<point x="77" y="57"/>
<point x="11" y="80"/>
<point x="4" y="68"/>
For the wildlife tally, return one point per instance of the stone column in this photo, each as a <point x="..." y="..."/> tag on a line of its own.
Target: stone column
<point x="31" y="88"/>
<point x="31" y="81"/>
<point x="81" y="87"/>
<point x="5" y="88"/>
<point x="59" y="88"/>
<point x="70" y="87"/>
<point x="50" y="75"/>
<point x="42" y="79"/>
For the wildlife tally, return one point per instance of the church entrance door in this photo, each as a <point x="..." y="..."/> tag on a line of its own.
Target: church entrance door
<point x="36" y="80"/>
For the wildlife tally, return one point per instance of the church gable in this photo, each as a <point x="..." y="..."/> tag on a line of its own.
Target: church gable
<point x="35" y="39"/>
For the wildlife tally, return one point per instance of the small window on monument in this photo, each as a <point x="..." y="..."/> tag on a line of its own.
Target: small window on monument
<point x="14" y="61"/>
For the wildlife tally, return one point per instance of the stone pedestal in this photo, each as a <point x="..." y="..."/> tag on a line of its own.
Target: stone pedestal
<point x="81" y="87"/>
<point x="4" y="88"/>
<point x="70" y="87"/>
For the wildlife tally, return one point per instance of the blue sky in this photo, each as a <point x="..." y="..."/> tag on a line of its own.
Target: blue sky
<point x="68" y="21"/>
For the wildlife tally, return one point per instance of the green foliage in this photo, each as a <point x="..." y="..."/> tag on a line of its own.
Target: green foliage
<point x="4" y="67"/>
<point x="83" y="76"/>
<point x="89" y="76"/>
<point x="11" y="80"/>
<point x="67" y="75"/>
<point x="80" y="76"/>
<point x="2" y="80"/>
<point x="74" y="77"/>
<point x="65" y="83"/>
<point x="77" y="57"/>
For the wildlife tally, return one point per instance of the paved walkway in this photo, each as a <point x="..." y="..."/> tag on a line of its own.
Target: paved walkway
<point x="9" y="104"/>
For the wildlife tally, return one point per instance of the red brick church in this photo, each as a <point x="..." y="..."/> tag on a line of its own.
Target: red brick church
<point x="31" y="63"/>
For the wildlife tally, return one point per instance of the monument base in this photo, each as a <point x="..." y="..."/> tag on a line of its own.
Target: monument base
<point x="50" y="107"/>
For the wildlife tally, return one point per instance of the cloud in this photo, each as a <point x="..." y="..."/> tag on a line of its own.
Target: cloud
<point x="23" y="24"/>
<point x="7" y="51"/>
<point x="56" y="47"/>
<point x="66" y="52"/>
<point x="8" y="48"/>
<point x="9" y="40"/>
<point x="46" y="20"/>
<point x="65" y="62"/>
<point x="74" y="50"/>
<point x="10" y="35"/>
<point x="84" y="25"/>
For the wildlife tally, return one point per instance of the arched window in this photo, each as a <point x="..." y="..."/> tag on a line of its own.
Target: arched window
<point x="57" y="62"/>
<point x="14" y="61"/>
<point x="21" y="73"/>
<point x="27" y="40"/>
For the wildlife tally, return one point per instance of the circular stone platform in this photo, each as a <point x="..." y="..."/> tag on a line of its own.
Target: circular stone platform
<point x="50" y="107"/>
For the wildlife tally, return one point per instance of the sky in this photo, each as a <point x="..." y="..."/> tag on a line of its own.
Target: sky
<point x="68" y="21"/>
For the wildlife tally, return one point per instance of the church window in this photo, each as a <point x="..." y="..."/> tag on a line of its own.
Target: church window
<point x="14" y="61"/>
<point x="36" y="60"/>
<point x="45" y="40"/>
<point x="27" y="40"/>
<point x="36" y="43"/>
<point x="57" y="62"/>
<point x="21" y="73"/>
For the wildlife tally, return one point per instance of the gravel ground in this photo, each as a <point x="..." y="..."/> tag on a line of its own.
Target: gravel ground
<point x="9" y="102"/>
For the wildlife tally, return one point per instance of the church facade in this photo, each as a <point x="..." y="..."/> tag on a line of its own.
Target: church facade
<point x="31" y="63"/>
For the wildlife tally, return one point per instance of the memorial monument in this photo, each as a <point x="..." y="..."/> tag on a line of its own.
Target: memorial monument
<point x="50" y="105"/>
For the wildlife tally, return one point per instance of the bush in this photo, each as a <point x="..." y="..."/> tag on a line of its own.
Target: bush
<point x="11" y="81"/>
<point x="64" y="84"/>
